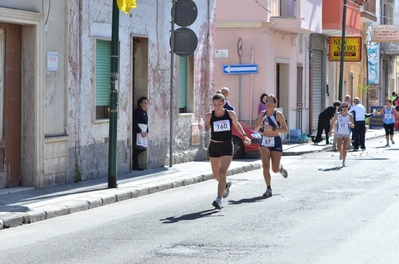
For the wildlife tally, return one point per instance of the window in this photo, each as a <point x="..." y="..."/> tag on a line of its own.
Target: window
<point x="387" y="13"/>
<point x="283" y="8"/>
<point x="186" y="84"/>
<point x="103" y="74"/>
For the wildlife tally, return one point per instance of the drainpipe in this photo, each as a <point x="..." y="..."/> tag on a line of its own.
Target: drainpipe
<point x="252" y="89"/>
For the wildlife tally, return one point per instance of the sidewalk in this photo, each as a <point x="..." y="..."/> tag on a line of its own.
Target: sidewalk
<point x="26" y="205"/>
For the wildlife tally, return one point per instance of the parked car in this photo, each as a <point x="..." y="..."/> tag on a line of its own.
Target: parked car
<point x="240" y="149"/>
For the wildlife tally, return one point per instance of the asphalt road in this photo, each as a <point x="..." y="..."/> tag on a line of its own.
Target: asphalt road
<point x="322" y="213"/>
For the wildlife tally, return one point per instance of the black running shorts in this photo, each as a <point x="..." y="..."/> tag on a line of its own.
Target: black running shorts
<point x="218" y="149"/>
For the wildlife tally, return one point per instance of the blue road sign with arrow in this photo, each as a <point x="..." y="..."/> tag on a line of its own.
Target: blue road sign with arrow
<point x="240" y="69"/>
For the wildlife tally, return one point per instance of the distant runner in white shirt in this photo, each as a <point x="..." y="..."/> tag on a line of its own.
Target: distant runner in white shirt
<point x="344" y="125"/>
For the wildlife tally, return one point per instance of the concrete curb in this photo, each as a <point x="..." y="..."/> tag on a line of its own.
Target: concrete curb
<point x="104" y="198"/>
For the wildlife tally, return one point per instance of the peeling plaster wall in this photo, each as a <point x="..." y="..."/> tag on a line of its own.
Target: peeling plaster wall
<point x="203" y="86"/>
<point x="88" y="138"/>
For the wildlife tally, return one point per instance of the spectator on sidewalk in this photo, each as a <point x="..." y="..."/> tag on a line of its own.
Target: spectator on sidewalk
<point x="220" y="149"/>
<point x="348" y="100"/>
<point x="359" y="116"/>
<point x="262" y="104"/>
<point x="343" y="130"/>
<point x="393" y="97"/>
<point x="225" y="92"/>
<point x="390" y="114"/>
<point x="271" y="147"/>
<point x="324" y="121"/>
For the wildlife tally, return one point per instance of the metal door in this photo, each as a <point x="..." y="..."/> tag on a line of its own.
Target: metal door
<point x="317" y="87"/>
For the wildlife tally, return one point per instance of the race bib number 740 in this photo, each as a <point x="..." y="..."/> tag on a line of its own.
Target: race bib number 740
<point x="221" y="125"/>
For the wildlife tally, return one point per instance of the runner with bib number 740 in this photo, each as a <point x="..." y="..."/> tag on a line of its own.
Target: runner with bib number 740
<point x="271" y="146"/>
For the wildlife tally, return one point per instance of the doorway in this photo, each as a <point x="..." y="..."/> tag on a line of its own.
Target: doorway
<point x="283" y="89"/>
<point x="140" y="83"/>
<point x="10" y="105"/>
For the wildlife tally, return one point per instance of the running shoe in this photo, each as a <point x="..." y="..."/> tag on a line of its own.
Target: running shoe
<point x="393" y="142"/>
<point x="387" y="145"/>
<point x="343" y="164"/>
<point x="227" y="190"/>
<point x="283" y="171"/>
<point x="217" y="203"/>
<point x="268" y="193"/>
<point x="340" y="156"/>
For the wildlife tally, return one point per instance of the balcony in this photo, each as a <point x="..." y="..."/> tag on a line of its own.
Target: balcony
<point x="332" y="18"/>
<point x="297" y="16"/>
<point x="368" y="13"/>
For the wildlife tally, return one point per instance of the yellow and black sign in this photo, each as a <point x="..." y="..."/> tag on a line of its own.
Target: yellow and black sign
<point x="352" y="49"/>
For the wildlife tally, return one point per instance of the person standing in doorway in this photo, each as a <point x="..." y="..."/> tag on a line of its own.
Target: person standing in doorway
<point x="220" y="149"/>
<point x="140" y="131"/>
<point x="324" y="121"/>
<point x="390" y="114"/>
<point x="271" y="147"/>
<point x="262" y="104"/>
<point x="343" y="130"/>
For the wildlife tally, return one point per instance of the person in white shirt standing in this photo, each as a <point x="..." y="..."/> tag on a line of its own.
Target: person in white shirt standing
<point x="359" y="113"/>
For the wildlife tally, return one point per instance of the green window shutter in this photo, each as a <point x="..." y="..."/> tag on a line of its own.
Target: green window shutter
<point x="103" y="72"/>
<point x="182" y="82"/>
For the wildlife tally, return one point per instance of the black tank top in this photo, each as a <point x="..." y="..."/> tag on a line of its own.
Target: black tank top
<point x="221" y="127"/>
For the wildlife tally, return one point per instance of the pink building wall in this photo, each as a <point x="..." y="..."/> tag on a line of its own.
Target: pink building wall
<point x="263" y="46"/>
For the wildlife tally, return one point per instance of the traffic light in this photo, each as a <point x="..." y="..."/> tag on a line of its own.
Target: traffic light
<point x="184" y="13"/>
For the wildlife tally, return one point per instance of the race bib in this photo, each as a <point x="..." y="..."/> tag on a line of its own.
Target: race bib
<point x="388" y="116"/>
<point x="267" y="141"/>
<point x="221" y="126"/>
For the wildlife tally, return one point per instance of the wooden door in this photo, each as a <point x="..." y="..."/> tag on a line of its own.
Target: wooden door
<point x="10" y="103"/>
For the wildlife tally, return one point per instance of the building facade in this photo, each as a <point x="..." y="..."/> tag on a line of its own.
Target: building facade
<point x="274" y="36"/>
<point x="54" y="73"/>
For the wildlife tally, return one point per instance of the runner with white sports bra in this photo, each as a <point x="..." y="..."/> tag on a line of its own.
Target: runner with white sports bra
<point x="343" y="130"/>
<point x="271" y="147"/>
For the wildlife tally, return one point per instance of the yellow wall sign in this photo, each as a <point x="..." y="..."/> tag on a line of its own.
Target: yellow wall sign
<point x="352" y="50"/>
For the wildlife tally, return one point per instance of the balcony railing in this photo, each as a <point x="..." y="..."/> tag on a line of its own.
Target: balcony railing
<point x="370" y="7"/>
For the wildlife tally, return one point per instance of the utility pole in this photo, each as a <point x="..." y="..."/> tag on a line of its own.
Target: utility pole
<point x="113" y="112"/>
<point x="341" y="75"/>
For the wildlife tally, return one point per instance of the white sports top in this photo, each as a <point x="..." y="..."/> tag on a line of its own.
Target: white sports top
<point x="343" y="127"/>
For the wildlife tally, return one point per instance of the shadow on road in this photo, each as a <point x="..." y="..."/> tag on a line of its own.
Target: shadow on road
<point x="331" y="169"/>
<point x="186" y="217"/>
<point x="249" y="200"/>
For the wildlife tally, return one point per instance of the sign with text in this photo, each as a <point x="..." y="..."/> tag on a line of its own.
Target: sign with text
<point x="52" y="61"/>
<point x="376" y="121"/>
<point x="385" y="33"/>
<point x="352" y="49"/>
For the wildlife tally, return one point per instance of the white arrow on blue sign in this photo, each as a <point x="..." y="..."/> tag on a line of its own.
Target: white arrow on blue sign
<point x="240" y="68"/>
